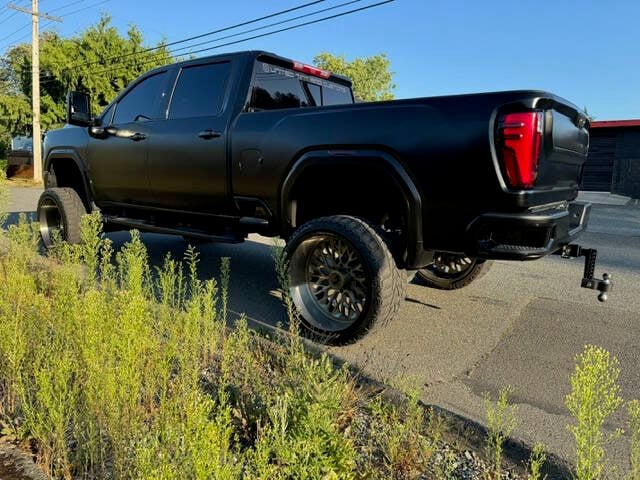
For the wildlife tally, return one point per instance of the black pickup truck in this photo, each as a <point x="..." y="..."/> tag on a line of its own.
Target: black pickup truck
<point x="220" y="147"/>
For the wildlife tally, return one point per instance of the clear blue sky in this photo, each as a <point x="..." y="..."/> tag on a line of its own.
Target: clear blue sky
<point x="586" y="51"/>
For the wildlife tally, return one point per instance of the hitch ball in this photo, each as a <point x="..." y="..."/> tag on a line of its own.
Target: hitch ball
<point x="606" y="283"/>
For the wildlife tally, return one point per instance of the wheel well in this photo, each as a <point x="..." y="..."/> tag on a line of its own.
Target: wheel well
<point x="65" y="173"/>
<point x="368" y="192"/>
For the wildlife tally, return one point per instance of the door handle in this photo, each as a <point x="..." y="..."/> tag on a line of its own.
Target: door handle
<point x="137" y="136"/>
<point x="122" y="133"/>
<point x="209" y="134"/>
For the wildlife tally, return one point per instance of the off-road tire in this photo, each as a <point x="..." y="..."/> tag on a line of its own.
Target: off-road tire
<point x="385" y="283"/>
<point x="61" y="209"/>
<point x="430" y="277"/>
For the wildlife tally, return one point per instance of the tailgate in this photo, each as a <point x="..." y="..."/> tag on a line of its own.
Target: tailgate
<point x="565" y="145"/>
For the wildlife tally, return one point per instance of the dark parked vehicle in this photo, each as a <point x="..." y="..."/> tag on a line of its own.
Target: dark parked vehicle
<point x="219" y="147"/>
<point x="20" y="157"/>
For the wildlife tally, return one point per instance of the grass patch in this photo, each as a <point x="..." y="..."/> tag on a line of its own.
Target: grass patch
<point x="112" y="369"/>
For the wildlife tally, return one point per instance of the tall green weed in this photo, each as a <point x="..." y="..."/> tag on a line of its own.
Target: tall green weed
<point x="594" y="396"/>
<point x="501" y="421"/>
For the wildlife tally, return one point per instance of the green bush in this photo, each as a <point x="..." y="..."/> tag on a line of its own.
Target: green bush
<point x="5" y="145"/>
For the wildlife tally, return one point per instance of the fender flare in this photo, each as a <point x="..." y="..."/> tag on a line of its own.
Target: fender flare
<point x="71" y="155"/>
<point x="388" y="163"/>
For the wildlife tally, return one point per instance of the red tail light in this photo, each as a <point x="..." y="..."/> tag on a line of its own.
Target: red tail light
<point x="316" y="72"/>
<point x="521" y="135"/>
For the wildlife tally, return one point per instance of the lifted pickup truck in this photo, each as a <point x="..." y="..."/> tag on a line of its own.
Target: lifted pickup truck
<point x="219" y="147"/>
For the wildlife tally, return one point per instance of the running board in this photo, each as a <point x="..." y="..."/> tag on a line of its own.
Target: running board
<point x="149" y="227"/>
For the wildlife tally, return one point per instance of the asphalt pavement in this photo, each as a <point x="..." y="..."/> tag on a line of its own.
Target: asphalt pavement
<point x="520" y="326"/>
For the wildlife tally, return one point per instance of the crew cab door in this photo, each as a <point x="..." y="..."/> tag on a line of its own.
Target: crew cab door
<point x="187" y="155"/>
<point x="117" y="151"/>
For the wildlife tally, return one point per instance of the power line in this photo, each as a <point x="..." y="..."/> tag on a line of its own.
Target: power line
<point x="288" y="20"/>
<point x="355" y="10"/>
<point x="195" y="37"/>
<point x="9" y="17"/>
<point x="11" y="14"/>
<point x="14" y="32"/>
<point x="330" y="17"/>
<point x="244" y="32"/>
<point x="171" y="52"/>
<point x="66" y="15"/>
<point x="323" y="19"/>
<point x="66" y="6"/>
<point x="83" y="8"/>
<point x="44" y="77"/>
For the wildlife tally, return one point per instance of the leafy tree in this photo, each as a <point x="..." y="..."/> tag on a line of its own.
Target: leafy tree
<point x="15" y="109"/>
<point x="371" y="76"/>
<point x="98" y="61"/>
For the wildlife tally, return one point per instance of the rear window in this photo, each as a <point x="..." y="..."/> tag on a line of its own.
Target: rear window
<point x="275" y="87"/>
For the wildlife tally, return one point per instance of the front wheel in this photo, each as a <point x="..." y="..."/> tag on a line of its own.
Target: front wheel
<point x="343" y="278"/>
<point x="451" y="271"/>
<point x="59" y="213"/>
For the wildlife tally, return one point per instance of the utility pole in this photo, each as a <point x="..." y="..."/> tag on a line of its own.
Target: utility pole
<point x="35" y="82"/>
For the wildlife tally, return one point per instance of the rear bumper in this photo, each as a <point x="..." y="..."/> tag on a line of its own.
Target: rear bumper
<point x="528" y="235"/>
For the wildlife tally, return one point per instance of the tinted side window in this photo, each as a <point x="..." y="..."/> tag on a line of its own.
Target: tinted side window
<point x="143" y="101"/>
<point x="107" y="114"/>
<point x="200" y="91"/>
<point x="335" y="95"/>
<point x="275" y="87"/>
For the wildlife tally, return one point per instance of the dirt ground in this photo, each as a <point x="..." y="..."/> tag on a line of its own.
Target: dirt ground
<point x="20" y="172"/>
<point x="15" y="464"/>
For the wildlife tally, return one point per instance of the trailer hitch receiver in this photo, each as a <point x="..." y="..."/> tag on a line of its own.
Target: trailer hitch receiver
<point x="604" y="285"/>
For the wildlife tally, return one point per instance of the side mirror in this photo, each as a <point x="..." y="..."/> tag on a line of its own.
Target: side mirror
<point x="78" y="109"/>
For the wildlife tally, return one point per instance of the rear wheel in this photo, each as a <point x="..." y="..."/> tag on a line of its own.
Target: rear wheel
<point x="59" y="213"/>
<point x="343" y="278"/>
<point x="451" y="271"/>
